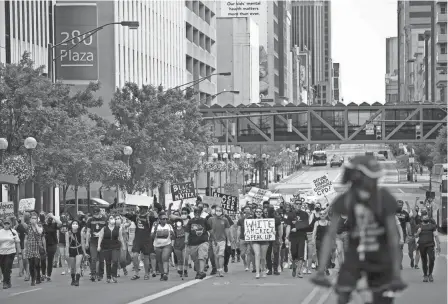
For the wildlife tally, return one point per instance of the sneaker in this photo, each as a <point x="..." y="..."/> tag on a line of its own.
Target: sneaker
<point x="276" y="273"/>
<point x="114" y="280"/>
<point x="63" y="273"/>
<point x="257" y="275"/>
<point x="238" y="259"/>
<point x="185" y="274"/>
<point x="269" y="272"/>
<point x="263" y="274"/>
<point x="430" y="278"/>
<point x="412" y="263"/>
<point x="246" y="270"/>
<point x="425" y="279"/>
<point x="197" y="276"/>
<point x="233" y="260"/>
<point x="48" y="279"/>
<point x="202" y="275"/>
<point x="294" y="272"/>
<point x="313" y="265"/>
<point x="226" y="268"/>
<point x="214" y="271"/>
<point x="254" y="271"/>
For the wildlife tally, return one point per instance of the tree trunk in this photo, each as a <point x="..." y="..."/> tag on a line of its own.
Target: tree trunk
<point x="76" y="201"/>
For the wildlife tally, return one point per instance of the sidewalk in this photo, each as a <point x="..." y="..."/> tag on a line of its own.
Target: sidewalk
<point x="293" y="175"/>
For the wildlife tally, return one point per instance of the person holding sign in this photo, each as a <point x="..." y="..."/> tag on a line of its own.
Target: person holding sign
<point x="373" y="247"/>
<point x="260" y="249"/>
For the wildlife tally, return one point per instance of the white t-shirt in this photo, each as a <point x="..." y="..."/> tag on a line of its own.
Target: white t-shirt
<point x="163" y="235"/>
<point x="8" y="240"/>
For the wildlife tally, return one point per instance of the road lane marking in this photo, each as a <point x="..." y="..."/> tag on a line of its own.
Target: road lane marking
<point x="168" y="291"/>
<point x="400" y="190"/>
<point x="310" y="296"/>
<point x="22" y="292"/>
<point x="325" y="297"/>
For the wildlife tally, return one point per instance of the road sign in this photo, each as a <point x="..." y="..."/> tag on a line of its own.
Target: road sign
<point x="370" y="129"/>
<point x="80" y="64"/>
<point x="322" y="186"/>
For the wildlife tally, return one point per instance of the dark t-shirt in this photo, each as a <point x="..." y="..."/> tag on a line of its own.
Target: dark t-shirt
<point x="362" y="220"/>
<point x="143" y="227"/>
<point x="51" y="234"/>
<point x="403" y="217"/>
<point x="95" y="225"/>
<point x="311" y="226"/>
<point x="240" y="223"/>
<point x="197" y="229"/>
<point x="342" y="225"/>
<point x="426" y="236"/>
<point x="299" y="220"/>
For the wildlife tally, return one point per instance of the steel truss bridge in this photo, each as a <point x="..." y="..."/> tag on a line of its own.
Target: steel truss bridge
<point x="267" y="124"/>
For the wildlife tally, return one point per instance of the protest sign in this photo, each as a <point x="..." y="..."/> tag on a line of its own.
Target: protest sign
<point x="258" y="195"/>
<point x="139" y="200"/>
<point x="322" y="186"/>
<point x="212" y="200"/>
<point x="26" y="204"/>
<point x="231" y="189"/>
<point x="6" y="209"/>
<point x="228" y="202"/>
<point x="182" y="191"/>
<point x="259" y="230"/>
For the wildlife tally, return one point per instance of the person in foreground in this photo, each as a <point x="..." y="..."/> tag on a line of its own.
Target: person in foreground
<point x="373" y="247"/>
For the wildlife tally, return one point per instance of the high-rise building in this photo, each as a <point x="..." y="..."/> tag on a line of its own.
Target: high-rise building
<point x="441" y="50"/>
<point x="238" y="51"/>
<point x="306" y="76"/>
<point x="200" y="27"/>
<point x="273" y="20"/>
<point x="391" y="77"/>
<point x="337" y="93"/>
<point x="311" y="30"/>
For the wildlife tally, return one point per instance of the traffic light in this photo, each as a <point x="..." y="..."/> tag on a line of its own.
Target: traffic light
<point x="418" y="132"/>
<point x="378" y="132"/>
<point x="289" y="125"/>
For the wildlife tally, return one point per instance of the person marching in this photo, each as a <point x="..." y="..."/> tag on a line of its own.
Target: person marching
<point x="93" y="228"/>
<point x="110" y="243"/>
<point x="163" y="235"/>
<point x="260" y="250"/>
<point x="75" y="250"/>
<point x="220" y="237"/>
<point x="428" y="238"/>
<point x="9" y="247"/>
<point x="320" y="228"/>
<point x="34" y="248"/>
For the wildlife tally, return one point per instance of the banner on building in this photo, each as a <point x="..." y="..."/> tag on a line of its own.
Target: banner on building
<point x="259" y="230"/>
<point x="76" y="61"/>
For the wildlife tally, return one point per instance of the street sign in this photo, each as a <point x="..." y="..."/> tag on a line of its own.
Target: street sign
<point x="76" y="64"/>
<point x="370" y="129"/>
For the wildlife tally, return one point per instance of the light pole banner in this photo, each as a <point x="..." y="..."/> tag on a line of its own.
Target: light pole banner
<point x="76" y="62"/>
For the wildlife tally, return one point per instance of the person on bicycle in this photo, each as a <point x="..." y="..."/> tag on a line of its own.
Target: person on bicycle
<point x="373" y="245"/>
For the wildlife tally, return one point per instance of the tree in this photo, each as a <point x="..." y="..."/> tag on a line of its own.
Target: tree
<point x="165" y="131"/>
<point x="422" y="153"/>
<point x="440" y="148"/>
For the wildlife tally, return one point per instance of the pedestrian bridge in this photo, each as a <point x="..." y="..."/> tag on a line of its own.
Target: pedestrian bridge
<point x="268" y="124"/>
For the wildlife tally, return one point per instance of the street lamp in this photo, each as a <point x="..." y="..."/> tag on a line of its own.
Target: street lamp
<point x="195" y="82"/>
<point x="30" y="144"/>
<point x="131" y="24"/>
<point x="3" y="147"/>
<point x="127" y="151"/>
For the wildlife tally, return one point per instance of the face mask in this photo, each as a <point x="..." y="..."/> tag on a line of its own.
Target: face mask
<point x="75" y="226"/>
<point x="213" y="211"/>
<point x="218" y="213"/>
<point x="179" y="224"/>
<point x="112" y="221"/>
<point x="184" y="216"/>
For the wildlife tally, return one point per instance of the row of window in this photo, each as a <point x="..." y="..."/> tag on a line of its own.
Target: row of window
<point x="201" y="10"/>
<point x="197" y="37"/>
<point x="196" y="67"/>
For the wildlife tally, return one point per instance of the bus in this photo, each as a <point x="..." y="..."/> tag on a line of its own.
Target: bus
<point x="319" y="158"/>
<point x="439" y="180"/>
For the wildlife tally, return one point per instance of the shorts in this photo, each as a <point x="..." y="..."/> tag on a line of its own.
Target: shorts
<point x="412" y="245"/>
<point x="244" y="247"/>
<point x="199" y="252"/>
<point x="219" y="248"/>
<point x="352" y="269"/>
<point x="73" y="252"/>
<point x="297" y="248"/>
<point x="143" y="247"/>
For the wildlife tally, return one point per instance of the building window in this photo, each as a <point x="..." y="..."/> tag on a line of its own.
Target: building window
<point x="421" y="37"/>
<point x="443" y="8"/>
<point x="443" y="29"/>
<point x="443" y="48"/>
<point x="442" y="94"/>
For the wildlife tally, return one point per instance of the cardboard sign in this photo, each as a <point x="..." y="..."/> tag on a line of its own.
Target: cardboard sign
<point x="228" y="202"/>
<point x="26" y="204"/>
<point x="212" y="200"/>
<point x="322" y="186"/>
<point x="182" y="191"/>
<point x="259" y="230"/>
<point x="231" y="189"/>
<point x="6" y="209"/>
<point x="258" y="195"/>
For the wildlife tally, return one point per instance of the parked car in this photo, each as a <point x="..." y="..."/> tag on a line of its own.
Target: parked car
<point x="336" y="161"/>
<point x="83" y="205"/>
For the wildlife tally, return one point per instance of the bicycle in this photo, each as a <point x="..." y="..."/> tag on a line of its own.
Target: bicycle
<point x="389" y="291"/>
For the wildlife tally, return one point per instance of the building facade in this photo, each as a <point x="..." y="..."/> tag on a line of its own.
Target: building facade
<point x="238" y="52"/>
<point x="391" y="77"/>
<point x="441" y="51"/>
<point x="311" y="30"/>
<point x="306" y="77"/>
<point x="337" y="91"/>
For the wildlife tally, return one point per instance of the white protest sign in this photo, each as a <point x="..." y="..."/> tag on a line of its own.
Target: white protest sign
<point x="322" y="186"/>
<point x="259" y="230"/>
<point x="138" y="200"/>
<point x="26" y="204"/>
<point x="6" y="209"/>
<point x="258" y="195"/>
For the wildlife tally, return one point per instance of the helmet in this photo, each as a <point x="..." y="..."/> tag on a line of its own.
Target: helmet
<point x="359" y="166"/>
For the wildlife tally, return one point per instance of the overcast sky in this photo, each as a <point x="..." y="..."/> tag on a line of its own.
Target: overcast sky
<point x="359" y="32"/>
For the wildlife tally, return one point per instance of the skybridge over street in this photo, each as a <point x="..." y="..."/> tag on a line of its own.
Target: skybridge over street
<point x="341" y="124"/>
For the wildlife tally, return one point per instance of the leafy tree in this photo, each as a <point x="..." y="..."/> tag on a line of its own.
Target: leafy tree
<point x="164" y="130"/>
<point x="423" y="154"/>
<point x="440" y="148"/>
